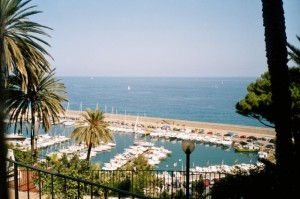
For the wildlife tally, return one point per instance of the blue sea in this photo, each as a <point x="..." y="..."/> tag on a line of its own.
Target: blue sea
<point x="195" y="99"/>
<point x="203" y="99"/>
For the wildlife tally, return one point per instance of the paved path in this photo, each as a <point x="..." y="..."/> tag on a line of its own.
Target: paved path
<point x="24" y="194"/>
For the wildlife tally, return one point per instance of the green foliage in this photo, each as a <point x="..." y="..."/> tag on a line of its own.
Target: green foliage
<point x="74" y="167"/>
<point x="198" y="188"/>
<point x="22" y="47"/>
<point x="180" y="194"/>
<point x="124" y="184"/>
<point x="294" y="52"/>
<point x="260" y="183"/>
<point x="165" y="195"/>
<point x="143" y="174"/>
<point x="258" y="103"/>
<point x="42" y="97"/>
<point x="92" y="130"/>
<point x="25" y="157"/>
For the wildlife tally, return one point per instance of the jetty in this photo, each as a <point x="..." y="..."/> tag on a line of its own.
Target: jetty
<point x="153" y="122"/>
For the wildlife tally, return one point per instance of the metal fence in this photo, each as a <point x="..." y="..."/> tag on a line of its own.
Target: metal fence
<point x="32" y="182"/>
<point x="26" y="181"/>
<point x="160" y="183"/>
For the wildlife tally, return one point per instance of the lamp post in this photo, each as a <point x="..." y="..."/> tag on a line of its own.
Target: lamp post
<point x="188" y="147"/>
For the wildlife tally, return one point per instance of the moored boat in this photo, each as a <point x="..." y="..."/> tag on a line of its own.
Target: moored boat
<point x="247" y="148"/>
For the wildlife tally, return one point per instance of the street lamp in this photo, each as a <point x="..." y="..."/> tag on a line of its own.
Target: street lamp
<point x="188" y="147"/>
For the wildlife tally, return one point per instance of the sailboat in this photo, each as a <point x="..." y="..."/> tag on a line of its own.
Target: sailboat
<point x="140" y="142"/>
<point x="68" y="122"/>
<point x="128" y="88"/>
<point x="135" y="125"/>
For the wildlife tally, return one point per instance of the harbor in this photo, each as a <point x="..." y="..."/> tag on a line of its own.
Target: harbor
<point x="135" y="135"/>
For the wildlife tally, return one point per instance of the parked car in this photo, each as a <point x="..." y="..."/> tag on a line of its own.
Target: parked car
<point x="243" y="136"/>
<point x="272" y="141"/>
<point x="252" y="138"/>
<point x="270" y="146"/>
<point x="258" y="143"/>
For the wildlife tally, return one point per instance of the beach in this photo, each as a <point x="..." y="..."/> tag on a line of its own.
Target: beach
<point x="129" y="120"/>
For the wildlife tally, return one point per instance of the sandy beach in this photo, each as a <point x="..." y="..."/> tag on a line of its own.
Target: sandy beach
<point x="181" y="124"/>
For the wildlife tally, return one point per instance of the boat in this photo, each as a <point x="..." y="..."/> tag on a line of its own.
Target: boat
<point x="68" y="122"/>
<point x="262" y="154"/>
<point x="246" y="148"/>
<point x="226" y="142"/>
<point x="147" y="132"/>
<point x="143" y="143"/>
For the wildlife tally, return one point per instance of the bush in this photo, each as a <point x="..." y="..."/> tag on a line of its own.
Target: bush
<point x="260" y="183"/>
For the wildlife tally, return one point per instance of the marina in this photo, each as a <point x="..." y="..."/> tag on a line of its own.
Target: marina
<point x="160" y="144"/>
<point x="146" y="115"/>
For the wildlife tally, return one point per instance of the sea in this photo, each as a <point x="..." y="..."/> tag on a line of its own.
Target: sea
<point x="204" y="99"/>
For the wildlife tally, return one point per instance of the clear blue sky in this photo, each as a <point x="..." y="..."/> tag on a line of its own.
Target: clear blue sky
<point x="160" y="37"/>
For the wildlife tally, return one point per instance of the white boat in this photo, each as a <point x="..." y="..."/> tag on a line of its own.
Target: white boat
<point x="227" y="142"/>
<point x="68" y="122"/>
<point x="112" y="144"/>
<point x="143" y="143"/>
<point x="262" y="154"/>
<point x="153" y="160"/>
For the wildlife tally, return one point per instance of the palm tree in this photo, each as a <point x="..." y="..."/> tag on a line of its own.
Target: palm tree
<point x="41" y="102"/>
<point x="20" y="47"/>
<point x="92" y="130"/>
<point x="294" y="53"/>
<point x="276" y="53"/>
<point x="18" y="42"/>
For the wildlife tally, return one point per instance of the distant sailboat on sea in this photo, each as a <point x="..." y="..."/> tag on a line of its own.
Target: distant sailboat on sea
<point x="128" y="88"/>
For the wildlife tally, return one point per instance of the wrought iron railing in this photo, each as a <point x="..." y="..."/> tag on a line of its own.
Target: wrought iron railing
<point x="28" y="179"/>
<point x="160" y="183"/>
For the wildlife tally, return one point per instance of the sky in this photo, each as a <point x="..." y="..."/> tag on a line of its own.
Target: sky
<point x="159" y="38"/>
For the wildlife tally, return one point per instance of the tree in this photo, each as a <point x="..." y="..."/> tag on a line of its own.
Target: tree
<point x="40" y="102"/>
<point x="20" y="47"/>
<point x="294" y="52"/>
<point x="275" y="97"/>
<point x="276" y="53"/>
<point x="92" y="130"/>
<point x="257" y="102"/>
<point x="18" y="42"/>
<point x="70" y="166"/>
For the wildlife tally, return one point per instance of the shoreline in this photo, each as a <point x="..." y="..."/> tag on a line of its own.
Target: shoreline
<point x="181" y="124"/>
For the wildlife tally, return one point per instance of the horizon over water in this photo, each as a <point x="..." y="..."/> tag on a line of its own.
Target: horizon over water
<point x="204" y="99"/>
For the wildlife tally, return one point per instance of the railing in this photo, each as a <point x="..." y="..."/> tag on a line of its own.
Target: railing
<point x="160" y="183"/>
<point x="28" y="179"/>
<point x="120" y="183"/>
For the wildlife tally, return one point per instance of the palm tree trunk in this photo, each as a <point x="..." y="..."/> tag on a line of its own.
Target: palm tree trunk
<point x="276" y="52"/>
<point x="3" y="175"/>
<point x="32" y="130"/>
<point x="89" y="152"/>
<point x="3" y="150"/>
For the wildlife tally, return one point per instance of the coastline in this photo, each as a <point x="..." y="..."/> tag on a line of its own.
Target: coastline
<point x="181" y="124"/>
